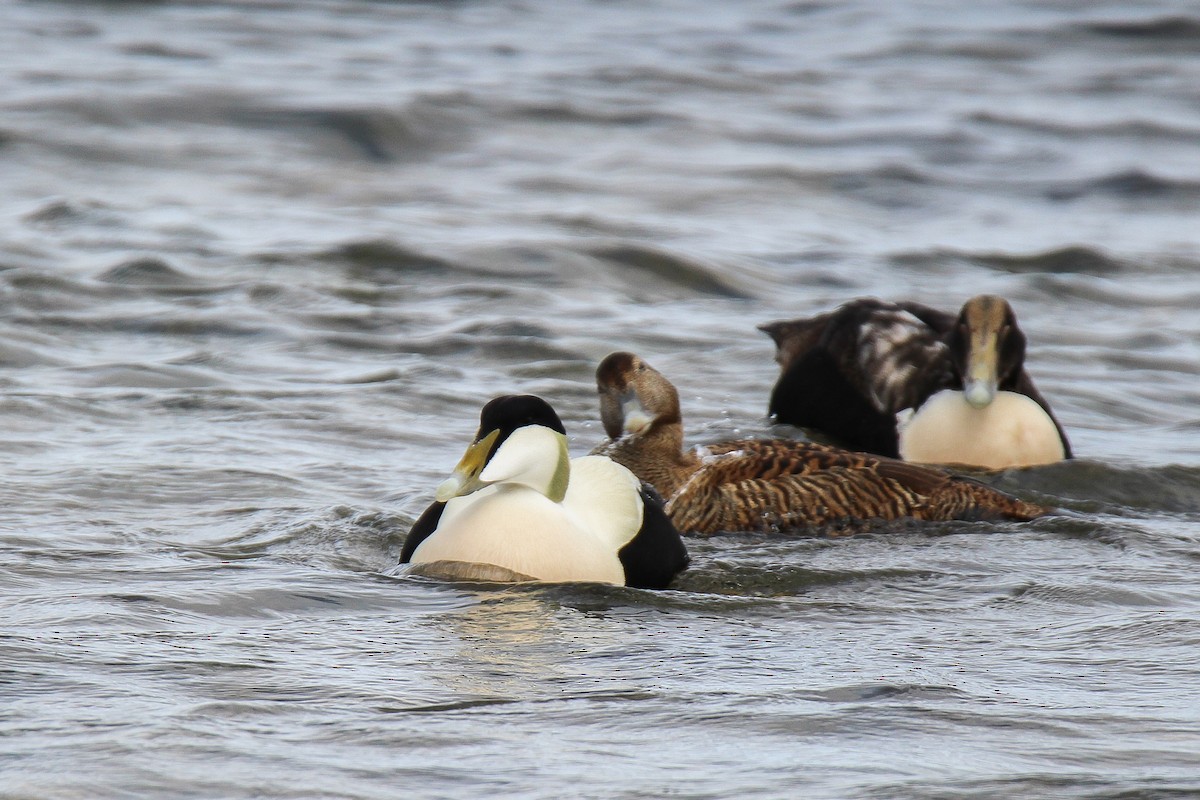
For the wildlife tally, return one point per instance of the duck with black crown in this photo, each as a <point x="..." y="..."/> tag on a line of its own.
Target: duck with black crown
<point x="517" y="508"/>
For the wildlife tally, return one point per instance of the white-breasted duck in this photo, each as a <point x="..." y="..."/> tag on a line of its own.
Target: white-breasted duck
<point x="518" y="508"/>
<point x="849" y="372"/>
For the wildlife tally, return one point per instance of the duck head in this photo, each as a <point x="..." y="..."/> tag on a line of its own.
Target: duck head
<point x="987" y="348"/>
<point x="520" y="441"/>
<point x="635" y="398"/>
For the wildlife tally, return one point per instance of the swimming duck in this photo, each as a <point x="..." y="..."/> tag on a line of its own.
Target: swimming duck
<point x="756" y="485"/>
<point x="517" y="508"/>
<point x="847" y="373"/>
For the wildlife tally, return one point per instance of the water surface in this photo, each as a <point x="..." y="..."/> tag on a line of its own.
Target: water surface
<point x="261" y="264"/>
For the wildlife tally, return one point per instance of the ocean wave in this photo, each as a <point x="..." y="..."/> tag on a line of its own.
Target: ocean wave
<point x="146" y="271"/>
<point x="738" y="574"/>
<point x="638" y="261"/>
<point x="1137" y="129"/>
<point x="652" y="80"/>
<point x="374" y="134"/>
<point x="1073" y="259"/>
<point x="867" y="182"/>
<point x="61" y="212"/>
<point x="160" y="50"/>
<point x="1174" y="30"/>
<point x="386" y="262"/>
<point x="1129" y="185"/>
<point x="424" y="126"/>
<point x="575" y="113"/>
<point x="503" y="340"/>
<point x="339" y="537"/>
<point x="380" y="258"/>
<point x="1098" y="487"/>
<point x="1092" y="594"/>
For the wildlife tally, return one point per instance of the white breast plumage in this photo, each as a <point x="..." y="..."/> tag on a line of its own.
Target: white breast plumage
<point x="518" y="528"/>
<point x="1011" y="431"/>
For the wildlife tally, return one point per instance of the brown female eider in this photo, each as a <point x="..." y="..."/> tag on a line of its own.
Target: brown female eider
<point x="847" y="373"/>
<point x="770" y="485"/>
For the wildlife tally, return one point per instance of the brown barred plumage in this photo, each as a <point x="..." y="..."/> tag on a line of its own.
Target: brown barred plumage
<point x="773" y="485"/>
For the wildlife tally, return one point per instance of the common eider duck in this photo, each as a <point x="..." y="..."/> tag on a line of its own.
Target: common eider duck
<point x="847" y="374"/>
<point x="517" y="508"/>
<point x="771" y="485"/>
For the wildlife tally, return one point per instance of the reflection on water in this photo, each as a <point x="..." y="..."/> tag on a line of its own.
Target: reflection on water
<point x="507" y="647"/>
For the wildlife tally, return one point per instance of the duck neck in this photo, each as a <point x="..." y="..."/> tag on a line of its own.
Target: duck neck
<point x="656" y="455"/>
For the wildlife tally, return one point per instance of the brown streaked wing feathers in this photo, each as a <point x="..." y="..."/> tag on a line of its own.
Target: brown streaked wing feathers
<point x="761" y="486"/>
<point x="834" y="497"/>
<point x="919" y="479"/>
<point x="949" y="496"/>
<point x="768" y="458"/>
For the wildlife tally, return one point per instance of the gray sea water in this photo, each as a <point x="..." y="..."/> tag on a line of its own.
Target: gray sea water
<point x="262" y="262"/>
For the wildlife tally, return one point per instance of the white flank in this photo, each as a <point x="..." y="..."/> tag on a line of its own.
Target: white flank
<point x="516" y="528"/>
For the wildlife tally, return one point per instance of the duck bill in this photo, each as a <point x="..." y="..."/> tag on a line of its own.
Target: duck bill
<point x="465" y="478"/>
<point x="979" y="387"/>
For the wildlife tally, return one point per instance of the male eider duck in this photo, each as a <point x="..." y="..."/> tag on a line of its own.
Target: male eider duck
<point x="847" y="373"/>
<point x="517" y="508"/>
<point x="770" y="485"/>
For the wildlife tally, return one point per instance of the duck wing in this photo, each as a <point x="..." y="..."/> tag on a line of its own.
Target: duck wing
<point x="750" y="459"/>
<point x="738" y="489"/>
<point x="604" y="499"/>
<point x="940" y="495"/>
<point x="894" y="354"/>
